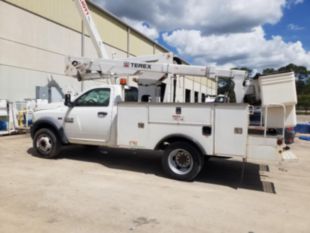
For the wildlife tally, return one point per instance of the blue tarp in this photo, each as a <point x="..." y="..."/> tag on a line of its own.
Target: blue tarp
<point x="3" y="125"/>
<point x="302" y="128"/>
<point x="307" y="138"/>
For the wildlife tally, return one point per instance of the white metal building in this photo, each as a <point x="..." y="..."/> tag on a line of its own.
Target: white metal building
<point x="36" y="36"/>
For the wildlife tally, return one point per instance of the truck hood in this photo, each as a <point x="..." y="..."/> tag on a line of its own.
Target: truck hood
<point x="45" y="106"/>
<point x="57" y="114"/>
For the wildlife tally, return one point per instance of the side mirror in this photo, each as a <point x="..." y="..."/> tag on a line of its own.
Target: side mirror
<point x="68" y="100"/>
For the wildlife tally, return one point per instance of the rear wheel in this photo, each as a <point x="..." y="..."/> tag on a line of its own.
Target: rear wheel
<point x="182" y="161"/>
<point x="46" y="143"/>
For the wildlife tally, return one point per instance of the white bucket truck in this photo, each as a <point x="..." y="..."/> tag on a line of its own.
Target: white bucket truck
<point x="186" y="133"/>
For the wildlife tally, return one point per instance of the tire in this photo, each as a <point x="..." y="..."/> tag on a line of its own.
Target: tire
<point x="46" y="143"/>
<point x="182" y="161"/>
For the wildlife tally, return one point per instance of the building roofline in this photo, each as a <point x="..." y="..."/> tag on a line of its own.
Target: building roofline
<point x="100" y="8"/>
<point x="97" y="6"/>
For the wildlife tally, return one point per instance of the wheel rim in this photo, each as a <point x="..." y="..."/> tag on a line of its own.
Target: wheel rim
<point x="44" y="143"/>
<point x="180" y="161"/>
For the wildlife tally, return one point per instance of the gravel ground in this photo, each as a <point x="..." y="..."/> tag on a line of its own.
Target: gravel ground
<point x="93" y="191"/>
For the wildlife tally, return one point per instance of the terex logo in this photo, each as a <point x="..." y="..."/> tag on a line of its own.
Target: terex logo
<point x="139" y="65"/>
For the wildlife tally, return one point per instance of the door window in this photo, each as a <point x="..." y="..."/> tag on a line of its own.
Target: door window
<point x="96" y="97"/>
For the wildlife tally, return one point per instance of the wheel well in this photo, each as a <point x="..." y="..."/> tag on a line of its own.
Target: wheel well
<point x="49" y="126"/>
<point x="172" y="139"/>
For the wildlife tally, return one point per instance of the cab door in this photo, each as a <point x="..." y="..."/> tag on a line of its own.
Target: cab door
<point x="89" y="120"/>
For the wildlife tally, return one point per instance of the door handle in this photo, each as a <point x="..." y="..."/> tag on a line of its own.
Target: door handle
<point x="102" y="114"/>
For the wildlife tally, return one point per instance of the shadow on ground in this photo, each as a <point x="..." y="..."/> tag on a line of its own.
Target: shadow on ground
<point x="220" y="171"/>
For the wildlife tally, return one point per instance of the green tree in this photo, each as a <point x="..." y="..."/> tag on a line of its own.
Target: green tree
<point x="294" y="68"/>
<point x="304" y="102"/>
<point x="300" y="86"/>
<point x="268" y="71"/>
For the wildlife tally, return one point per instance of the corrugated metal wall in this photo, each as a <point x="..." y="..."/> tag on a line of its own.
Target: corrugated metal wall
<point x="36" y="36"/>
<point x="112" y="31"/>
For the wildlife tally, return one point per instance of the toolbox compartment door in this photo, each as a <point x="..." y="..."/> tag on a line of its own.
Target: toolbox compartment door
<point x="231" y="129"/>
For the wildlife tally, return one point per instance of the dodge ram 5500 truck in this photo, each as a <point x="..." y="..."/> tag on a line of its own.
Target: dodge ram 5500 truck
<point x="187" y="133"/>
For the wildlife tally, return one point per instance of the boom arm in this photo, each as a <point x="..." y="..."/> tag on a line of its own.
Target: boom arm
<point x="91" y="27"/>
<point x="150" y="69"/>
<point x="89" y="69"/>
<point x="86" y="69"/>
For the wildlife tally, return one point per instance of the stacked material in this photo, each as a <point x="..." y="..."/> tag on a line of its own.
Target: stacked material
<point x="3" y="125"/>
<point x="306" y="138"/>
<point x="303" y="128"/>
<point x="3" y="115"/>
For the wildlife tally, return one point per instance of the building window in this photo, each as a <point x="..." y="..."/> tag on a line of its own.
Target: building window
<point x="187" y="96"/>
<point x="196" y="97"/>
<point x="203" y="98"/>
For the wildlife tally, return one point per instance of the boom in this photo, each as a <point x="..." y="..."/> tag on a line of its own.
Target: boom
<point x="151" y="70"/>
<point x="90" y="69"/>
<point x="91" y="27"/>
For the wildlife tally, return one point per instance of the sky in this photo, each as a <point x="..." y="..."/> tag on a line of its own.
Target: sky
<point x="257" y="34"/>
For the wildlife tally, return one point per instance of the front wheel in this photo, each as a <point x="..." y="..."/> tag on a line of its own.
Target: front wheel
<point x="182" y="161"/>
<point x="46" y="143"/>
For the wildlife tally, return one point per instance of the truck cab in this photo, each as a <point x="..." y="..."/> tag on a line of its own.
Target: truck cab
<point x="88" y="119"/>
